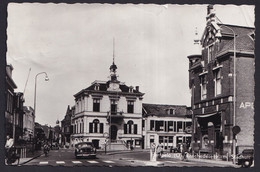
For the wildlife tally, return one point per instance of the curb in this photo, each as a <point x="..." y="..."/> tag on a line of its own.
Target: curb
<point x="121" y="152"/>
<point x="31" y="159"/>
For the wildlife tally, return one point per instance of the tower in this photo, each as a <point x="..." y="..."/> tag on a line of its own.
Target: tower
<point x="113" y="82"/>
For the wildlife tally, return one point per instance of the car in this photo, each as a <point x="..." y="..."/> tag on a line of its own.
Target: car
<point x="245" y="159"/>
<point x="85" y="149"/>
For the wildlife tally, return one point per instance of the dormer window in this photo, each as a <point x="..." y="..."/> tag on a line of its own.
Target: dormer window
<point x="131" y="89"/>
<point x="96" y="86"/>
<point x="171" y="111"/>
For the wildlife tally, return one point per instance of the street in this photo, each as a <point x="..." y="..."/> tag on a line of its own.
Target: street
<point x="65" y="157"/>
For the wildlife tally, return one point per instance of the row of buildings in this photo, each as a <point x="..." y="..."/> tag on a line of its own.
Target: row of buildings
<point x="221" y="116"/>
<point x="19" y="119"/>
<point x="110" y="113"/>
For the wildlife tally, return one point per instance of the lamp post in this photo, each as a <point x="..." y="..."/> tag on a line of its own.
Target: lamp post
<point x="35" y="86"/>
<point x="234" y="92"/>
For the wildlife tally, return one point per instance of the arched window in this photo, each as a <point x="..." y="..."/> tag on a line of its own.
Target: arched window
<point x="96" y="126"/>
<point x="130" y="128"/>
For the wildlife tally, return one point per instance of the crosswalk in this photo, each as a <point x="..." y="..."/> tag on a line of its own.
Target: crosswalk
<point x="77" y="162"/>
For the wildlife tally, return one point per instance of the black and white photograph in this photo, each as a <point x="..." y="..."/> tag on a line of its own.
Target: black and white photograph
<point x="130" y="85"/>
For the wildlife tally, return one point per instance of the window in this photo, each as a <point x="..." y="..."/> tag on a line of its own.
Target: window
<point x="171" y="111"/>
<point x="217" y="82"/>
<point x="160" y="139"/>
<point x="159" y="126"/>
<point x="179" y="126"/>
<point x="210" y="53"/>
<point x="152" y="125"/>
<point x="130" y="128"/>
<point x="96" y="105"/>
<point x="203" y="86"/>
<point x="170" y="125"/>
<point x="96" y="87"/>
<point x="143" y="124"/>
<point x="130" y="106"/>
<point x="113" y="106"/>
<point x="96" y="127"/>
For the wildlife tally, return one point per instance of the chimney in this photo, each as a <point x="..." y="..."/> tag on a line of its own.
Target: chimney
<point x="9" y="69"/>
<point x="137" y="88"/>
<point x="210" y="9"/>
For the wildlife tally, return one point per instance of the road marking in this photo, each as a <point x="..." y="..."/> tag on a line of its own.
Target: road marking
<point x="109" y="161"/>
<point x="76" y="162"/>
<point x="92" y="162"/>
<point x="60" y="162"/>
<point x="44" y="162"/>
<point x="173" y="162"/>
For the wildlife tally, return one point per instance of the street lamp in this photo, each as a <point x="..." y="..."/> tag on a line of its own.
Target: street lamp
<point x="234" y="92"/>
<point x="46" y="79"/>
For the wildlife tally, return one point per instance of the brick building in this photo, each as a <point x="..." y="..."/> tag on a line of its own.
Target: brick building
<point x="66" y="126"/>
<point x="108" y="113"/>
<point x="221" y="79"/>
<point x="169" y="125"/>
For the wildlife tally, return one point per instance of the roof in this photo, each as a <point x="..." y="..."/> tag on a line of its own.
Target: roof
<point x="103" y="86"/>
<point x="161" y="110"/>
<point x="244" y="42"/>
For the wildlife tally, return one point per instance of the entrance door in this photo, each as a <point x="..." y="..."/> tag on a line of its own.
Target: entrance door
<point x="96" y="143"/>
<point x="113" y="130"/>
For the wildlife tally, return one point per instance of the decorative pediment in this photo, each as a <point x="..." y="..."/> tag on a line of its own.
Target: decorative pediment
<point x="210" y="34"/>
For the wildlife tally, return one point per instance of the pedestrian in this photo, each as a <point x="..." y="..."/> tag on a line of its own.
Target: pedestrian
<point x="184" y="151"/>
<point x="160" y="150"/>
<point x="8" y="145"/>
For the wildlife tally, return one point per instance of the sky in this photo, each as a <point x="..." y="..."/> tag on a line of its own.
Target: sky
<point x="73" y="44"/>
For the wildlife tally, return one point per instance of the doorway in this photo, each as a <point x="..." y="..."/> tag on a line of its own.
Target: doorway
<point x="96" y="143"/>
<point x="113" y="130"/>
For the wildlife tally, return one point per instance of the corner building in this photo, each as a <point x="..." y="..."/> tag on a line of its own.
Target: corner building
<point x="108" y="113"/>
<point x="220" y="101"/>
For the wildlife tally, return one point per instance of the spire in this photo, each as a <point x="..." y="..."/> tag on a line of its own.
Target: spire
<point x="113" y="67"/>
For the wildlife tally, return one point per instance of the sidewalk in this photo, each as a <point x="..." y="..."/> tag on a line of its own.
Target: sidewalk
<point x="113" y="152"/>
<point x="30" y="157"/>
<point x="191" y="158"/>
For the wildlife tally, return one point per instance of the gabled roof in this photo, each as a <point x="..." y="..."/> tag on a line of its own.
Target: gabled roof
<point x="162" y="110"/>
<point x="244" y="41"/>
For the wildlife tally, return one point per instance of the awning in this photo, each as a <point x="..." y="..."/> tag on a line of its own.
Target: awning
<point x="206" y="115"/>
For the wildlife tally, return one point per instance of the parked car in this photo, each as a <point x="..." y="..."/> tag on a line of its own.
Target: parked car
<point x="245" y="159"/>
<point x="85" y="149"/>
<point x="54" y="146"/>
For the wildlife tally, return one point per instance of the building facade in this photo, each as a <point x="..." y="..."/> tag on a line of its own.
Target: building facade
<point x="28" y="123"/>
<point x="221" y="80"/>
<point x="66" y="126"/>
<point x="168" y="125"/>
<point x="9" y="94"/>
<point x="108" y="112"/>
